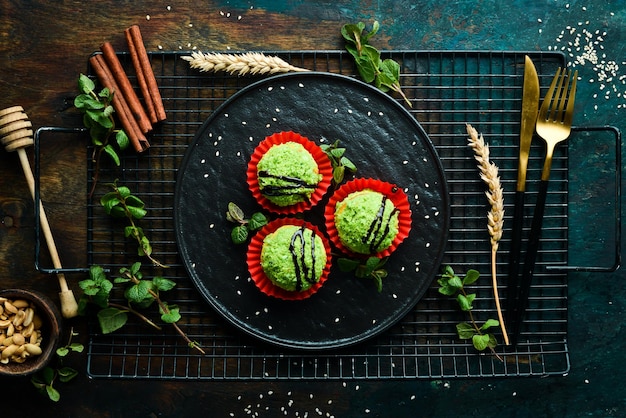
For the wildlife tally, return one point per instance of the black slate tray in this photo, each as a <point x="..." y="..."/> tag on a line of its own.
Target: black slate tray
<point x="383" y="140"/>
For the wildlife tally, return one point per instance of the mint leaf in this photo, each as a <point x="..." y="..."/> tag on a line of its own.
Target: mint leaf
<point x="489" y="323"/>
<point x="111" y="319"/>
<point x="470" y="277"/>
<point x="480" y="342"/>
<point x="257" y="221"/>
<point x="239" y="234"/>
<point x="465" y="331"/>
<point x="465" y="302"/>
<point x="162" y="284"/>
<point x="346" y="264"/>
<point x="173" y="314"/>
<point x="85" y="84"/>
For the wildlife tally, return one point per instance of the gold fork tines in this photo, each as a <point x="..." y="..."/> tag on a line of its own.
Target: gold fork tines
<point x="554" y="125"/>
<point x="554" y="122"/>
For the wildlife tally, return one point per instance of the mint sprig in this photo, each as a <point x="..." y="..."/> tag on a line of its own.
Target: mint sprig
<point x="140" y="293"/>
<point x="339" y="162"/>
<point x="244" y="227"/>
<point x="384" y="74"/>
<point x="98" y="119"/>
<point x="371" y="268"/>
<point x="450" y="284"/>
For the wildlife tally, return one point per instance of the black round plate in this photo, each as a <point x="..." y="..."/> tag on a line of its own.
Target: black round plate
<point x="382" y="139"/>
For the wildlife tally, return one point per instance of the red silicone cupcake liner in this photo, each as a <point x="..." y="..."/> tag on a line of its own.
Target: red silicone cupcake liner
<point x="393" y="192"/>
<point x="323" y="163"/>
<point x="258" y="275"/>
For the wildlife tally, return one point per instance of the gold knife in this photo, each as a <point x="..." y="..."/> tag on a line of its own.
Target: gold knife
<point x="530" y="106"/>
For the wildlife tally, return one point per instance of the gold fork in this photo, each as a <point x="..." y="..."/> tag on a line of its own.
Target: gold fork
<point x="554" y="125"/>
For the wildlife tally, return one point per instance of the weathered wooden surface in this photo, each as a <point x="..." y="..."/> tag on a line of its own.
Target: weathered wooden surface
<point x="45" y="45"/>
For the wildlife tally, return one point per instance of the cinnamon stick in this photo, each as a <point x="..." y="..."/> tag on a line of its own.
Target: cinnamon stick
<point x="126" y="89"/>
<point x="128" y="122"/>
<point x="141" y="79"/>
<point x="144" y="67"/>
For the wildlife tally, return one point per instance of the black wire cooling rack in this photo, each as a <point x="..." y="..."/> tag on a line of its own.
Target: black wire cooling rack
<point x="447" y="89"/>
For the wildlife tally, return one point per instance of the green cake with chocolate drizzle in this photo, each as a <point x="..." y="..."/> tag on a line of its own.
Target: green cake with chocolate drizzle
<point x="288" y="174"/>
<point x="366" y="222"/>
<point x="293" y="257"/>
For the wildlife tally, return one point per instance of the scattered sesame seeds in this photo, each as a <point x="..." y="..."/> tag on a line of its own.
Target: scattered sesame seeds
<point x="147" y="17"/>
<point x="585" y="47"/>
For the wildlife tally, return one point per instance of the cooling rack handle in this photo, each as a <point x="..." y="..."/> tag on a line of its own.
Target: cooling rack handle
<point x="37" y="198"/>
<point x="617" y="258"/>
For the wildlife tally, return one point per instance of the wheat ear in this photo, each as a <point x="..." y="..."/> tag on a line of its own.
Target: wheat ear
<point x="495" y="217"/>
<point x="240" y="64"/>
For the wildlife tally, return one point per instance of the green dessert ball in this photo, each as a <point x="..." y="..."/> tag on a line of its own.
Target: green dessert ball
<point x="293" y="257"/>
<point x="288" y="174"/>
<point x="366" y="222"/>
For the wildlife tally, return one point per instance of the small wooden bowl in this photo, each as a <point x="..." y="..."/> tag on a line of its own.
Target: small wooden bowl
<point x="50" y="329"/>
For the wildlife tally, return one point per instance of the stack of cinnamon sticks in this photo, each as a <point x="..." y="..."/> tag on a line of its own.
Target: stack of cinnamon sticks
<point x="135" y="120"/>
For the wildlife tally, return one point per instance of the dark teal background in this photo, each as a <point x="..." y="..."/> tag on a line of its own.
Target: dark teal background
<point x="595" y="384"/>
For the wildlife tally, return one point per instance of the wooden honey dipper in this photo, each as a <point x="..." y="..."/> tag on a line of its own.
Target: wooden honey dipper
<point x="17" y="134"/>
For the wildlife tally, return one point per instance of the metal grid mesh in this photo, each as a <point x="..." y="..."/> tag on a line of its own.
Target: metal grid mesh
<point x="447" y="89"/>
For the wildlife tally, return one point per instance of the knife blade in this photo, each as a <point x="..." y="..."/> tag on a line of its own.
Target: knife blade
<point x="530" y="106"/>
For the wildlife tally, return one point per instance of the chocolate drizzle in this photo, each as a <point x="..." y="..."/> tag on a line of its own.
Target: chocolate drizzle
<point x="303" y="272"/>
<point x="379" y="228"/>
<point x="292" y="186"/>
